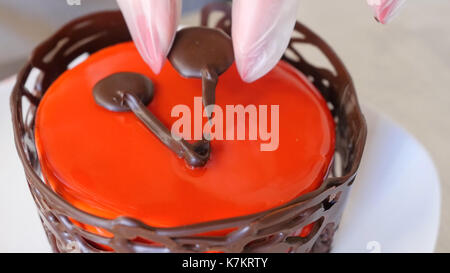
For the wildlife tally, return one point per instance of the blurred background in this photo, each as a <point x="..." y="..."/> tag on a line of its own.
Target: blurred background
<point x="401" y="69"/>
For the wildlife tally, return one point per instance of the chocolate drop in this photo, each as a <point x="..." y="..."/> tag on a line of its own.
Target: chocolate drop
<point x="198" y="48"/>
<point x="110" y="92"/>
<point x="201" y="52"/>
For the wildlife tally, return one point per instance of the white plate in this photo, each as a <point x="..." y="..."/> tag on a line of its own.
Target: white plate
<point x="395" y="202"/>
<point x="394" y="205"/>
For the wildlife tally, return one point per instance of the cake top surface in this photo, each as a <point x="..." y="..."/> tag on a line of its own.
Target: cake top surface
<point x="109" y="164"/>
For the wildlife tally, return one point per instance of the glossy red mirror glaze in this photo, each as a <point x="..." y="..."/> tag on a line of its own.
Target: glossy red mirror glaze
<point x="109" y="164"/>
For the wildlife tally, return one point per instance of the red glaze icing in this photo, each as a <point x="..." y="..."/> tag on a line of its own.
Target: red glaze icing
<point x="109" y="164"/>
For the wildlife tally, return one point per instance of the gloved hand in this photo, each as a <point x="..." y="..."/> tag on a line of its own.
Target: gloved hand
<point x="261" y="30"/>
<point x="152" y="24"/>
<point x="385" y="10"/>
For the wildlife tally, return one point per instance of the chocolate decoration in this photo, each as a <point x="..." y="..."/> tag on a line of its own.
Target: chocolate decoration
<point x="197" y="48"/>
<point x="209" y="83"/>
<point x="127" y="91"/>
<point x="268" y="231"/>
<point x="201" y="52"/>
<point x="110" y="92"/>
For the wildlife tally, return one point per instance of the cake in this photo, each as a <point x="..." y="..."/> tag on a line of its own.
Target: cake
<point x="110" y="178"/>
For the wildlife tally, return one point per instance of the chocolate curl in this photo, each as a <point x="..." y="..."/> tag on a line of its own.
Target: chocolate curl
<point x="261" y="32"/>
<point x="152" y="24"/>
<point x="385" y="10"/>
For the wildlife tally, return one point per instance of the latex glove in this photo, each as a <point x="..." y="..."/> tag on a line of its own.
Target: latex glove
<point x="385" y="10"/>
<point x="261" y="32"/>
<point x="152" y="24"/>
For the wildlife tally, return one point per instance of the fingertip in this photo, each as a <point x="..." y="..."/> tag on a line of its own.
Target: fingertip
<point x="385" y="10"/>
<point x="252" y="70"/>
<point x="156" y="67"/>
<point x="153" y="25"/>
<point x="261" y="32"/>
